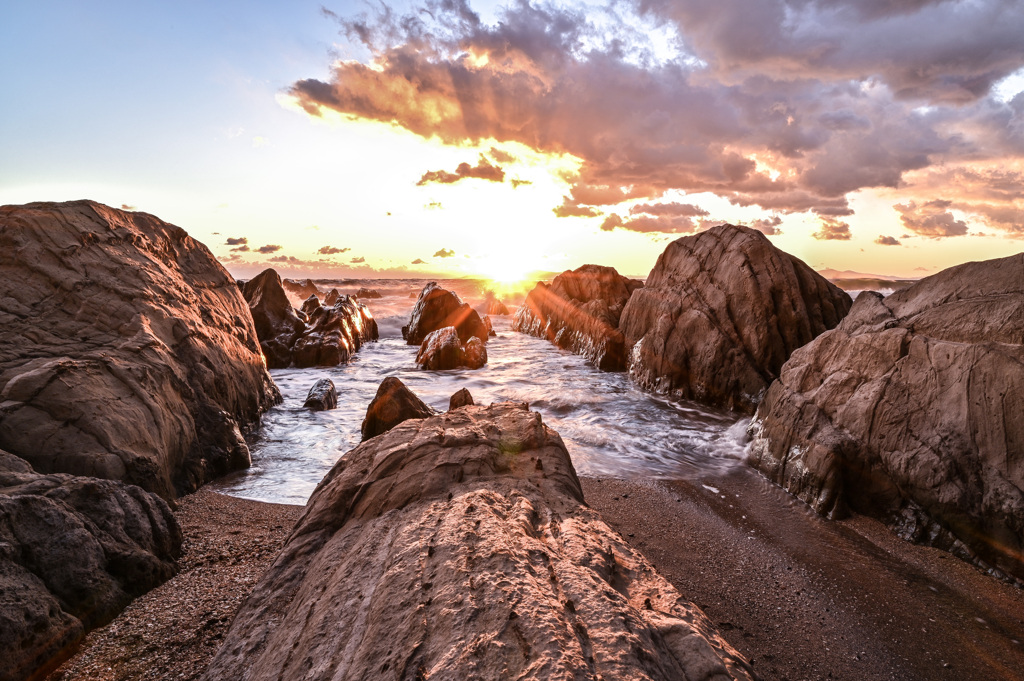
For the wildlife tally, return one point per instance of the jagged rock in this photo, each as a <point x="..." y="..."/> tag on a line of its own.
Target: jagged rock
<point x="437" y="308"/>
<point x="392" y="404"/>
<point x="334" y="334"/>
<point x="492" y="305"/>
<point x="489" y="326"/>
<point x="443" y="350"/>
<point x="126" y="350"/>
<point x="460" y="547"/>
<point x="332" y="297"/>
<point x="910" y="411"/>
<point x="368" y="294"/>
<point x="461" y="398"/>
<point x="580" y="312"/>
<point x="277" y="323"/>
<point x="720" y="313"/>
<point x="322" y="396"/>
<point x="74" y="551"/>
<point x="309" y="306"/>
<point x="302" y="289"/>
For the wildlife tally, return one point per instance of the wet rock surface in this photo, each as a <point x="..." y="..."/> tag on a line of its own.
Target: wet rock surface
<point x="719" y="315"/>
<point x="579" y="311"/>
<point x="460" y="399"/>
<point x="74" y="551"/>
<point x="442" y="350"/>
<point x="393" y="404"/>
<point x="322" y="396"/>
<point x="910" y="411"/>
<point x="459" y="547"/>
<point x="126" y="350"/>
<point x="437" y="308"/>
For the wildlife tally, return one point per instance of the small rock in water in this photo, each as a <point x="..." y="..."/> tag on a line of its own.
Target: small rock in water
<point x="322" y="396"/>
<point x="460" y="399"/>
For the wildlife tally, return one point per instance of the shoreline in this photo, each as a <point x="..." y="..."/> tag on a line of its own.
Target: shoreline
<point x="801" y="597"/>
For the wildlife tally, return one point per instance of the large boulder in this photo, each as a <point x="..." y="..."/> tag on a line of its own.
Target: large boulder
<point x="277" y="324"/>
<point x="393" y="404"/>
<point x="911" y="411"/>
<point x="126" y="350"/>
<point x="580" y="312"/>
<point x="720" y="313"/>
<point x="460" y="547"/>
<point x="333" y="334"/>
<point x="74" y="551"/>
<point x="437" y="308"/>
<point x="443" y="350"/>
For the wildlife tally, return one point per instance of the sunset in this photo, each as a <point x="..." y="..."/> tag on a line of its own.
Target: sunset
<point x="529" y="341"/>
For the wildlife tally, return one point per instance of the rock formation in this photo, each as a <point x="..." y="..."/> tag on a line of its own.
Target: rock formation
<point x="309" y="306"/>
<point x="74" y="551"/>
<point x="126" y="351"/>
<point x="332" y="297"/>
<point x="492" y="306"/>
<point x="580" y="312"/>
<point x="442" y="349"/>
<point x="277" y="324"/>
<point x="720" y="313"/>
<point x="393" y="404"/>
<point x="368" y="294"/>
<point x="322" y="396"/>
<point x="461" y="398"/>
<point x="437" y="308"/>
<point x="302" y="289"/>
<point x="459" y="547"/>
<point x="911" y="411"/>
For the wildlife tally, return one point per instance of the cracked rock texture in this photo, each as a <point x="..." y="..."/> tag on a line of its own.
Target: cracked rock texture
<point x="74" y="551"/>
<point x="911" y="411"/>
<point x="126" y="351"/>
<point x="580" y="312"/>
<point x="719" y="315"/>
<point x="459" y="547"/>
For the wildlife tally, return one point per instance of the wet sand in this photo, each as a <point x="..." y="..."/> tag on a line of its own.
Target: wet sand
<point x="802" y="597"/>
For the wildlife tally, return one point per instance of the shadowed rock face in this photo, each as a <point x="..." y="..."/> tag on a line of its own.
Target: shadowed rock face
<point x="720" y="313"/>
<point x="322" y="396"/>
<point x="277" y="324"/>
<point x="303" y="289"/>
<point x="393" y="404"/>
<point x="461" y="398"/>
<point x="437" y="308"/>
<point x="911" y="411"/>
<point x="580" y="312"/>
<point x="443" y="350"/>
<point x="459" y="547"/>
<point x="74" y="551"/>
<point x="126" y="351"/>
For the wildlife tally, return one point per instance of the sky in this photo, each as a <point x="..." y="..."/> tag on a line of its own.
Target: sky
<point x="459" y="138"/>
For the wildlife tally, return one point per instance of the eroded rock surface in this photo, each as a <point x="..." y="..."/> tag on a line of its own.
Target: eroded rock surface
<point x="74" y="551"/>
<point x="720" y="313"/>
<point x="393" y="404"/>
<point x="911" y="411"/>
<point x="322" y="396"/>
<point x="459" y="547"/>
<point x="126" y="351"/>
<point x="580" y="312"/>
<point x="437" y="308"/>
<point x="443" y="350"/>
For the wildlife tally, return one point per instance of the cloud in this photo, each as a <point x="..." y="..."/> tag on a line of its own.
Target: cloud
<point x="285" y="258"/>
<point x="483" y="170"/>
<point x="501" y="156"/>
<point x="444" y="253"/>
<point x="833" y="230"/>
<point x="419" y="261"/>
<point x="331" y="250"/>
<point x="357" y="261"/>
<point x="517" y="183"/>
<point x="931" y="219"/>
<point x="768" y="226"/>
<point x="669" y="209"/>
<point x="670" y="224"/>
<point x="883" y="240"/>
<point x="237" y="241"/>
<point x="269" y="248"/>
<point x="125" y="206"/>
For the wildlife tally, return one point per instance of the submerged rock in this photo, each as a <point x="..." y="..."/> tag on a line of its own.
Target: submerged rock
<point x="580" y="312"/>
<point x="720" y="313"/>
<point x="393" y="404"/>
<point x="910" y="411"/>
<point x="322" y="396"/>
<point x="461" y="398"/>
<point x="437" y="308"/>
<point x="459" y="547"/>
<point x="125" y="348"/>
<point x="74" y="551"/>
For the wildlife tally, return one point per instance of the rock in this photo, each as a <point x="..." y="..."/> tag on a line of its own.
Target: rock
<point x="460" y="547"/>
<point x="474" y="353"/>
<point x="392" y="404"/>
<point x="492" y="305"/>
<point x="720" y="313"/>
<point x="303" y="289"/>
<point x="277" y="324"/>
<point x="334" y="334"/>
<point x="322" y="396"/>
<point x="461" y="398"/>
<point x="580" y="312"/>
<point x="489" y="326"/>
<point x="332" y="297"/>
<point x="437" y="308"/>
<point x="126" y="350"/>
<point x="910" y="411"/>
<point x="442" y="350"/>
<point x="74" y="551"/>
<point x="309" y="306"/>
<point x="368" y="294"/>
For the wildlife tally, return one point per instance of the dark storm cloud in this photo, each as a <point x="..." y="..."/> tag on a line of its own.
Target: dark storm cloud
<point x="483" y="170"/>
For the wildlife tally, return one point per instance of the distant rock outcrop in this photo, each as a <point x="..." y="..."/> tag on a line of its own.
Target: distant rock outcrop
<point x="580" y="312"/>
<point x="322" y="396"/>
<point x="368" y="294"/>
<point x="720" y="313"/>
<point x="332" y="297"/>
<point x="459" y="547"/>
<point x="74" y="551"/>
<point x="442" y="350"/>
<point x="393" y="404"/>
<point x="437" y="308"/>
<point x="492" y="306"/>
<point x="911" y="411"/>
<point x="302" y="289"/>
<point x="126" y="350"/>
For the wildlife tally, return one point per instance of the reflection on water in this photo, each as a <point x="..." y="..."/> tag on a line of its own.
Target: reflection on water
<point x="610" y="427"/>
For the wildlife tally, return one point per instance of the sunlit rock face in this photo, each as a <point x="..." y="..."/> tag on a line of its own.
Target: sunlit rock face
<point x="459" y="547"/>
<point x="126" y="350"/>
<point x="911" y="410"/>
<point x="442" y="350"/>
<point x="436" y="308"/>
<point x="74" y="551"/>
<point x="720" y="313"/>
<point x="580" y="312"/>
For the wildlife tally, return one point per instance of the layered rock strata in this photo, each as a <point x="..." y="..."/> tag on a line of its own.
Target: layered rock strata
<point x="719" y="315"/>
<point x="126" y="351"/>
<point x="579" y="311"/>
<point x="910" y="410"/>
<point x="437" y="308"/>
<point x="459" y="547"/>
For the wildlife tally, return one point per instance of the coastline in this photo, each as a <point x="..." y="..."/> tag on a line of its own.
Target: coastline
<point x="801" y="597"/>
